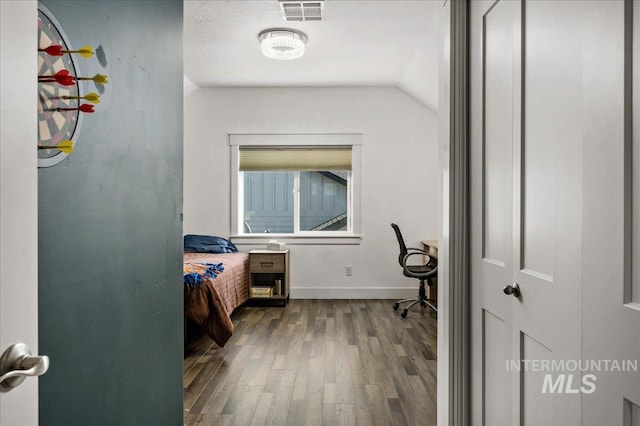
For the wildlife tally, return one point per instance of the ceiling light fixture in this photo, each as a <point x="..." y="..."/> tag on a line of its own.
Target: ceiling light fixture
<point x="282" y="43"/>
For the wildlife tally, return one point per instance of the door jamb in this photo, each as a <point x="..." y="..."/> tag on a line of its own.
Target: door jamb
<point x="454" y="232"/>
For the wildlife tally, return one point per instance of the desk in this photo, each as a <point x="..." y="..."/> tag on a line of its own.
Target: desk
<point x="431" y="247"/>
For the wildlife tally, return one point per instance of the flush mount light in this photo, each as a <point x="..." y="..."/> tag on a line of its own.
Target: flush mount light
<point x="282" y="43"/>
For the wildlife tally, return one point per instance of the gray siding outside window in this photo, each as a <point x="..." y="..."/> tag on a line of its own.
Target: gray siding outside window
<point x="268" y="201"/>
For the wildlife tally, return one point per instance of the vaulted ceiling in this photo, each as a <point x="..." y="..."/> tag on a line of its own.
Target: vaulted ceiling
<point x="359" y="43"/>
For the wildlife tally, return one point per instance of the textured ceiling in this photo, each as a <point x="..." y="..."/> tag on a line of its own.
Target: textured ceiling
<point x="360" y="43"/>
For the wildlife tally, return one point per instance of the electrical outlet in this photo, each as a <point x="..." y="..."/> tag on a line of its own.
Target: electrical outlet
<point x="348" y="270"/>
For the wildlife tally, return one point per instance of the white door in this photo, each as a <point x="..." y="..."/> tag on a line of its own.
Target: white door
<point x="526" y="201"/>
<point x="611" y="267"/>
<point x="18" y="199"/>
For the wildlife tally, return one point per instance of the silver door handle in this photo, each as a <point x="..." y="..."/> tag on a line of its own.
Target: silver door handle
<point x="17" y="363"/>
<point x="513" y="290"/>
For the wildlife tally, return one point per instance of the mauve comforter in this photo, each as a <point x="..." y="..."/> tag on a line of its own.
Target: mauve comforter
<point x="211" y="305"/>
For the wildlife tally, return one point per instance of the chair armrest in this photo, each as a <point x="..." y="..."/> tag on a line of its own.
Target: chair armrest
<point x="431" y="273"/>
<point x="420" y="253"/>
<point x="418" y="250"/>
<point x="426" y="253"/>
<point x="416" y="253"/>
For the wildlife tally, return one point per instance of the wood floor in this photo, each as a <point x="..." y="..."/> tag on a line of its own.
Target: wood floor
<point x="316" y="362"/>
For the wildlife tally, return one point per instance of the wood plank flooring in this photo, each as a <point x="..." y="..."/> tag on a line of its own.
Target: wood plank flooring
<point x="316" y="362"/>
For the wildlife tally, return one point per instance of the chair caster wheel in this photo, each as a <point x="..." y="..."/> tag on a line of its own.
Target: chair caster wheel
<point x="396" y="306"/>
<point x="404" y="313"/>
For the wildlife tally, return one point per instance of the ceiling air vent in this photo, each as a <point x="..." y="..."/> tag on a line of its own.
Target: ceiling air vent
<point x="302" y="10"/>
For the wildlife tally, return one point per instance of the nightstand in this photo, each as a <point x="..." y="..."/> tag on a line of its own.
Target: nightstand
<point x="269" y="275"/>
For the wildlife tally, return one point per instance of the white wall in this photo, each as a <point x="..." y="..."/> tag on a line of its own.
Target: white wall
<point x="18" y="199"/>
<point x="399" y="176"/>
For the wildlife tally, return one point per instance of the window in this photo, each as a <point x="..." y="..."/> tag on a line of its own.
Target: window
<point x="294" y="189"/>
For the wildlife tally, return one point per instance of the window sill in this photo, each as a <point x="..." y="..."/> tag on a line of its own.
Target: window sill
<point x="296" y="239"/>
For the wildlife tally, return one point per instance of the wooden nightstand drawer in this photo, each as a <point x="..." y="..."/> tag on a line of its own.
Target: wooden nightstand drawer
<point x="265" y="263"/>
<point x="269" y="276"/>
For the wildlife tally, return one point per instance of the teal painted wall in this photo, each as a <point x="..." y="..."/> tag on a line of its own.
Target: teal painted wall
<point x="110" y="228"/>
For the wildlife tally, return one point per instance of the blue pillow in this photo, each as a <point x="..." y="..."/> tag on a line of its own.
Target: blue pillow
<point x="208" y="244"/>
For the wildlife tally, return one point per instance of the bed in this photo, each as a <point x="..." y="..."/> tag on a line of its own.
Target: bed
<point x="210" y="305"/>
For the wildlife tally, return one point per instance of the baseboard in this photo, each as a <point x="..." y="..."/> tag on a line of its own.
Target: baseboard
<point x="353" y="292"/>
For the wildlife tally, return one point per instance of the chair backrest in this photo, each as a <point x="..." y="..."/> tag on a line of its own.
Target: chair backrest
<point x="403" y="247"/>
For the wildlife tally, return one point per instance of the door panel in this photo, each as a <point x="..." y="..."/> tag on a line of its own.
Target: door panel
<point x="547" y="205"/>
<point x="496" y="380"/>
<point x="526" y="69"/>
<point x="497" y="121"/>
<point x="574" y="191"/>
<point x="537" y="408"/>
<point x="536" y="140"/>
<point x="631" y="414"/>
<point x="18" y="200"/>
<point x="492" y="196"/>
<point x="547" y="171"/>
<point x="633" y="142"/>
<point x="611" y="314"/>
<point x="551" y="132"/>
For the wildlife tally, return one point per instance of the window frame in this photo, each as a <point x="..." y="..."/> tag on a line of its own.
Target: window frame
<point x="352" y="236"/>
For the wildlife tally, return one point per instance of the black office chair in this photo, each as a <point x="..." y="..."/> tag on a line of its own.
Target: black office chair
<point x="422" y="272"/>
